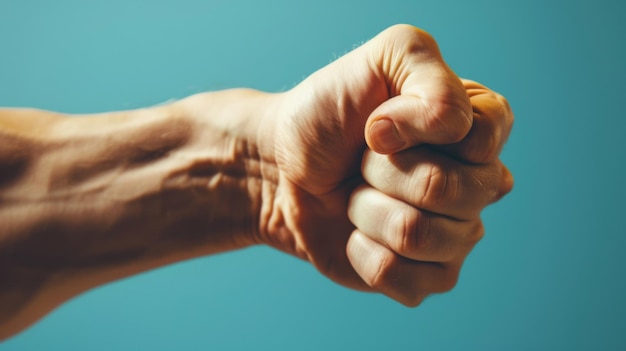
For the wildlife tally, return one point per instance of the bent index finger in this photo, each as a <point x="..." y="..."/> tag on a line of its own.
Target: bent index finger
<point x="493" y="120"/>
<point x="431" y="181"/>
<point x="428" y="102"/>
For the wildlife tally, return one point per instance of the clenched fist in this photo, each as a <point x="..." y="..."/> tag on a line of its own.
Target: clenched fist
<point x="385" y="159"/>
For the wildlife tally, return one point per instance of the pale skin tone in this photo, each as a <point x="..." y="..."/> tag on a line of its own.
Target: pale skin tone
<point x="315" y="171"/>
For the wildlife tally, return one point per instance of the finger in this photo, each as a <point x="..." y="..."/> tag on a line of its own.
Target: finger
<point x="429" y="103"/>
<point x="429" y="180"/>
<point x="493" y="120"/>
<point x="404" y="280"/>
<point x="506" y="185"/>
<point x="410" y="232"/>
<point x="405" y="121"/>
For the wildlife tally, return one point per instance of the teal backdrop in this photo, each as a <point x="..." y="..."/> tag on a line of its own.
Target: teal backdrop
<point x="550" y="272"/>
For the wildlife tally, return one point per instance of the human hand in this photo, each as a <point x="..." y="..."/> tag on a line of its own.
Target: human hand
<point x="384" y="160"/>
<point x="409" y="244"/>
<point x="375" y="169"/>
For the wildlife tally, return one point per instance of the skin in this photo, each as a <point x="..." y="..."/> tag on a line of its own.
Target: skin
<point x="375" y="169"/>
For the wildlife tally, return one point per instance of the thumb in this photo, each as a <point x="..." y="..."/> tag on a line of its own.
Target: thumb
<point x="407" y="120"/>
<point x="428" y="101"/>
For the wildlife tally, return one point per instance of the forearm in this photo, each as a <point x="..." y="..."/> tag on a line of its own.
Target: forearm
<point x="103" y="197"/>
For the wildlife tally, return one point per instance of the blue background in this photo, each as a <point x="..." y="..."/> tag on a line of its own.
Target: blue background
<point x="550" y="272"/>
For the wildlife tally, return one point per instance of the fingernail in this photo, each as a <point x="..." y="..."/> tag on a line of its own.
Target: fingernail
<point x="385" y="136"/>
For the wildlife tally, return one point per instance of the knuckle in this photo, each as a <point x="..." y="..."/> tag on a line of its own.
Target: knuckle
<point x="484" y="142"/>
<point x="471" y="237"/>
<point x="476" y="234"/>
<point x="506" y="107"/>
<point x="412" y="233"/>
<point x="438" y="118"/>
<point x="509" y="182"/>
<point x="384" y="275"/>
<point x="388" y="280"/>
<point x="448" y="280"/>
<point x="416" y="38"/>
<point x="490" y="129"/>
<point x="506" y="112"/>
<point x="503" y="114"/>
<point x="492" y="181"/>
<point x="506" y="184"/>
<point x="403" y="39"/>
<point x="414" y="300"/>
<point x="487" y="183"/>
<point x="438" y="186"/>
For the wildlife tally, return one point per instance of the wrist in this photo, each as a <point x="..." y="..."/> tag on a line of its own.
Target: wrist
<point x="237" y="128"/>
